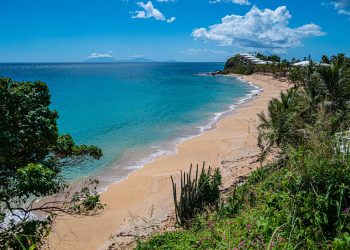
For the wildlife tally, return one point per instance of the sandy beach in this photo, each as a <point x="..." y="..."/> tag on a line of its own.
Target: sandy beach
<point x="143" y="202"/>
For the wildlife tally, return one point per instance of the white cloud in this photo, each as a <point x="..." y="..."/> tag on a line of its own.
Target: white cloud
<point x="166" y="1"/>
<point x="265" y="29"/>
<point x="240" y="2"/>
<point x="342" y="6"/>
<point x="171" y="19"/>
<point x="197" y="52"/>
<point x="150" y="12"/>
<point x="101" y="55"/>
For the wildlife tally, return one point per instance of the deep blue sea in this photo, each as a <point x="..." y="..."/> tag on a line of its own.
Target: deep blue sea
<point x="133" y="111"/>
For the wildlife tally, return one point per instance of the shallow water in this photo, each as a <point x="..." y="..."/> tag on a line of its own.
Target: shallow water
<point x="133" y="111"/>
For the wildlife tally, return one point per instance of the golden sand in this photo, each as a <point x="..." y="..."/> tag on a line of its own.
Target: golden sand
<point x="231" y="146"/>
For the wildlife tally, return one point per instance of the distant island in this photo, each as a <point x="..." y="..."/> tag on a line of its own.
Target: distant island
<point x="108" y="59"/>
<point x="113" y="60"/>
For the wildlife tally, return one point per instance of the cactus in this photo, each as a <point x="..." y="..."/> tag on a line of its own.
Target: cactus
<point x="195" y="194"/>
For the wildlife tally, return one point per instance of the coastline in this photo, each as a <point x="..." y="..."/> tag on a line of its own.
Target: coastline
<point x="170" y="147"/>
<point x="230" y="145"/>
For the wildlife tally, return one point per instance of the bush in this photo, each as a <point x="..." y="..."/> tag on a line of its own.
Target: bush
<point x="302" y="201"/>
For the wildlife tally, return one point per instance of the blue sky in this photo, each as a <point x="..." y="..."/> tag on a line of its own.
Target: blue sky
<point x="184" y="30"/>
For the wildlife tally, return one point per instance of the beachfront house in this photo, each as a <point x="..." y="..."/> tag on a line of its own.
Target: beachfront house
<point x="307" y="63"/>
<point x="248" y="58"/>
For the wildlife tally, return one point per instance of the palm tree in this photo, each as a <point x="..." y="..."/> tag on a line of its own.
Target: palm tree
<point x="318" y="92"/>
<point x="325" y="59"/>
<point x="275" y="128"/>
<point x="336" y="81"/>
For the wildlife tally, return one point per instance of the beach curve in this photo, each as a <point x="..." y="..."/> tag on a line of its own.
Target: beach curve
<point x="232" y="138"/>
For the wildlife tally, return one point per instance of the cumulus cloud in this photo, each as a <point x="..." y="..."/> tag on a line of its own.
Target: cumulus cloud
<point x="101" y="55"/>
<point x="148" y="11"/>
<point x="197" y="52"/>
<point x="240" y="2"/>
<point x="264" y="29"/>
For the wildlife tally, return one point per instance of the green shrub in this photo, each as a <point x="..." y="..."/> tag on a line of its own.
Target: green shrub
<point x="302" y="201"/>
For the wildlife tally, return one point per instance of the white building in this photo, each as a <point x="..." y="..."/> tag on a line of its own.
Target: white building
<point x="307" y="63"/>
<point x="252" y="59"/>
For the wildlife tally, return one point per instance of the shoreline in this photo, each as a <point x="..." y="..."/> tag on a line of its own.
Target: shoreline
<point x="230" y="144"/>
<point x="102" y="175"/>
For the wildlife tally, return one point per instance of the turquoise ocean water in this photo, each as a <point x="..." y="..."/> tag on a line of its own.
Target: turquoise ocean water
<point x="134" y="111"/>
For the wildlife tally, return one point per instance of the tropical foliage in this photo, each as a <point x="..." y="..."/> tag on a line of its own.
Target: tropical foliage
<point x="236" y="66"/>
<point x="32" y="155"/>
<point x="322" y="96"/>
<point x="302" y="200"/>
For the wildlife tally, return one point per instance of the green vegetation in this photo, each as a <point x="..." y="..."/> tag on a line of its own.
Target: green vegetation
<point x="271" y="58"/>
<point x="236" y="66"/>
<point x="277" y="67"/>
<point x="32" y="155"/>
<point x="302" y="200"/>
<point x="196" y="194"/>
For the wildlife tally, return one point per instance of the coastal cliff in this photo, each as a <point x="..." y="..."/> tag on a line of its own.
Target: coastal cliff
<point x="234" y="65"/>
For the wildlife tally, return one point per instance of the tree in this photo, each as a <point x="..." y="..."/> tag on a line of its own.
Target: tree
<point x="319" y="91"/>
<point x="325" y="59"/>
<point x="279" y="126"/>
<point x="295" y="75"/>
<point x="336" y="81"/>
<point x="272" y="58"/>
<point x="32" y="154"/>
<point x="341" y="60"/>
<point x="336" y="85"/>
